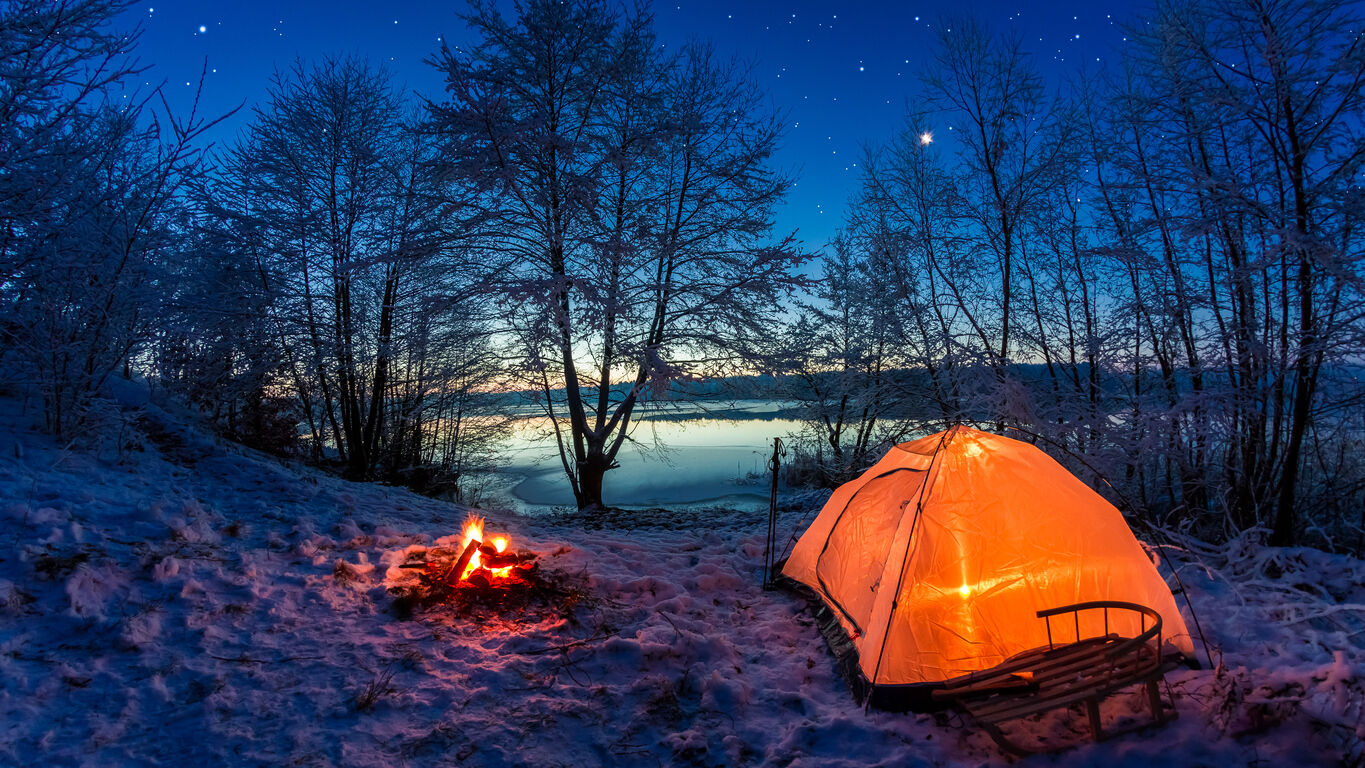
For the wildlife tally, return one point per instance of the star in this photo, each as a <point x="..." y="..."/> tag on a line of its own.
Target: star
<point x="926" y="138"/>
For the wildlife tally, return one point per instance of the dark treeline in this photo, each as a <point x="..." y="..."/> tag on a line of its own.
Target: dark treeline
<point x="1154" y="271"/>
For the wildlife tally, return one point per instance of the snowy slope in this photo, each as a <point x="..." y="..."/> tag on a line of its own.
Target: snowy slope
<point x="167" y="599"/>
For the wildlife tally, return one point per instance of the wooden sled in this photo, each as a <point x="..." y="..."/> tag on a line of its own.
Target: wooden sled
<point x="1082" y="672"/>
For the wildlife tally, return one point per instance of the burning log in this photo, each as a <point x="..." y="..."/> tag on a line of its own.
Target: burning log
<point x="457" y="570"/>
<point x="501" y="560"/>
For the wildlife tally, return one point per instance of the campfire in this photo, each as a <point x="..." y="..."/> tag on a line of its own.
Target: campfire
<point x="478" y="563"/>
<point x="483" y="570"/>
<point x="486" y="563"/>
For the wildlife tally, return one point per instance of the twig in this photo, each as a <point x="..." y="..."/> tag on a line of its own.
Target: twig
<point x="244" y="659"/>
<point x="566" y="646"/>
<point x="677" y="633"/>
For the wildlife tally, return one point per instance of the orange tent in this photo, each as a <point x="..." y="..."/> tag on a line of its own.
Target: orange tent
<point x="936" y="560"/>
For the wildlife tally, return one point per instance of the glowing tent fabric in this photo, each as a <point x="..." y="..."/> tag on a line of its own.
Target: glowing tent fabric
<point x="937" y="559"/>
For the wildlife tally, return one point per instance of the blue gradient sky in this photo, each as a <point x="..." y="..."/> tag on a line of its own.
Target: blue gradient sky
<point x="842" y="73"/>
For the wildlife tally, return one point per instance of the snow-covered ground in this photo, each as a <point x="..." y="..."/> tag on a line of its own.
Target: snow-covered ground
<point x="166" y="598"/>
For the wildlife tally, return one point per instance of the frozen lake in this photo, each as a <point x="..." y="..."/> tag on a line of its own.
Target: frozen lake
<point x="673" y="459"/>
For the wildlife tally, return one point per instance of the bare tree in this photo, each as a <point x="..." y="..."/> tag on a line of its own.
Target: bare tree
<point x="847" y="359"/>
<point x="1264" y="99"/>
<point x="1005" y="117"/>
<point x="628" y="212"/>
<point x="339" y="211"/>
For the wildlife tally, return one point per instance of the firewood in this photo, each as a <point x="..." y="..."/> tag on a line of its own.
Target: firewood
<point x="457" y="570"/>
<point x="501" y="560"/>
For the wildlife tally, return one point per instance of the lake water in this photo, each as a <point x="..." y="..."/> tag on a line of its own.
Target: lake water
<point x="682" y="458"/>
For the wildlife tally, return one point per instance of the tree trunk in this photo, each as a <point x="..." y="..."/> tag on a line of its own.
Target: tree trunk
<point x="590" y="473"/>
<point x="1308" y="359"/>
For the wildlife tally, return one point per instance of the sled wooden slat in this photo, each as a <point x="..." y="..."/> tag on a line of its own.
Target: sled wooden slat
<point x="1063" y="692"/>
<point x="1085" y="671"/>
<point x="1035" y="661"/>
<point x="1008" y="683"/>
<point x="1050" y="682"/>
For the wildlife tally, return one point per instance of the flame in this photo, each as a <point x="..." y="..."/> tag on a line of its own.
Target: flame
<point x="500" y="544"/>
<point x="473" y="531"/>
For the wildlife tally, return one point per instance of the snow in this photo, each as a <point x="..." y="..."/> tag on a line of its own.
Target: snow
<point x="168" y="598"/>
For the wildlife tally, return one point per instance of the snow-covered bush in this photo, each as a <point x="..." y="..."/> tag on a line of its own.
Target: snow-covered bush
<point x="87" y="202"/>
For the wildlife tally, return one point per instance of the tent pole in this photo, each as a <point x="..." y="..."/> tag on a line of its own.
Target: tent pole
<point x="770" y="543"/>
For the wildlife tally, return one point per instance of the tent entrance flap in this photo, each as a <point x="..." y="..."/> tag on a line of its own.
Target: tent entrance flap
<point x="852" y="562"/>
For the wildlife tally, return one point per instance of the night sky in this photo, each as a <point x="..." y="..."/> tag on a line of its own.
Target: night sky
<point x="843" y="74"/>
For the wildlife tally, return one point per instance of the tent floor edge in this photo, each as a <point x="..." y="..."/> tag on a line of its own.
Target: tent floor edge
<point x="916" y="697"/>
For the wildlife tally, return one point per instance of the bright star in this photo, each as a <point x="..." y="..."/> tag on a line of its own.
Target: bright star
<point x="203" y="29"/>
<point x="926" y="138"/>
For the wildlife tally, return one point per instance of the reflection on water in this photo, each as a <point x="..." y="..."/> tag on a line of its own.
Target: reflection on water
<point x="679" y="459"/>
